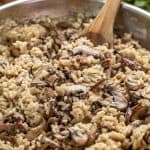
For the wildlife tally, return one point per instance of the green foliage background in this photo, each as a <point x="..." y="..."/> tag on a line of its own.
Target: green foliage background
<point x="145" y="4"/>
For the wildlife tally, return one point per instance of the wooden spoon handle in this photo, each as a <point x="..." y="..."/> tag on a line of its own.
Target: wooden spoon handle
<point x="101" y="30"/>
<point x="6" y="1"/>
<point x="109" y="12"/>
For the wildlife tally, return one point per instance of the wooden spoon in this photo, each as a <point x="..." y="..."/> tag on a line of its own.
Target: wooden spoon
<point x="101" y="29"/>
<point x="6" y="1"/>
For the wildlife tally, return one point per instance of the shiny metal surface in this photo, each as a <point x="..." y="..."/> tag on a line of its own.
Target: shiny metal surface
<point x="130" y="18"/>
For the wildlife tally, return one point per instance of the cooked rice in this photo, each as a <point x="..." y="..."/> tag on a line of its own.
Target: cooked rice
<point x="60" y="91"/>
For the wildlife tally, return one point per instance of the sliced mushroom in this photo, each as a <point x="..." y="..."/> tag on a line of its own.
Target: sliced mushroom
<point x="133" y="82"/>
<point x="71" y="89"/>
<point x="135" y="113"/>
<point x="77" y="89"/>
<point x="83" y="134"/>
<point x="64" y="24"/>
<point x="9" y="138"/>
<point x="128" y="115"/>
<point x="47" y="142"/>
<point x="49" y="92"/>
<point x="98" y="85"/>
<point x="12" y="128"/>
<point x="131" y="64"/>
<point x="92" y="133"/>
<point x="139" y="112"/>
<point x="138" y="137"/>
<point x="85" y="50"/>
<point x="117" y="98"/>
<point x="62" y="135"/>
<point x="6" y="127"/>
<point x="79" y="136"/>
<point x="96" y="105"/>
<point x="35" y="132"/>
<point x="134" y="96"/>
<point x="146" y="92"/>
<point x="119" y="102"/>
<point x="147" y="137"/>
<point x="106" y="63"/>
<point x="39" y="83"/>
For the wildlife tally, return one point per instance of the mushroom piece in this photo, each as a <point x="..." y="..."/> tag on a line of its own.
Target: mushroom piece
<point x="35" y="132"/>
<point x="6" y="127"/>
<point x="49" y="92"/>
<point x="128" y="115"/>
<point x="133" y="82"/>
<point x="39" y="83"/>
<point x="71" y="89"/>
<point x="146" y="92"/>
<point x="77" y="89"/>
<point x="85" y="50"/>
<point x="47" y="142"/>
<point x="62" y="135"/>
<point x="131" y="64"/>
<point x="11" y="139"/>
<point x="79" y="135"/>
<point x="119" y="102"/>
<point x="147" y="137"/>
<point x="117" y="98"/>
<point x="83" y="134"/>
<point x="135" y="113"/>
<point x="139" y="112"/>
<point x="106" y="63"/>
<point x="12" y="128"/>
<point x="138" y="137"/>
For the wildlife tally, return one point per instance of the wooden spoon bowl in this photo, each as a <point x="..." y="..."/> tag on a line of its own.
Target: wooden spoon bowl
<point x="101" y="29"/>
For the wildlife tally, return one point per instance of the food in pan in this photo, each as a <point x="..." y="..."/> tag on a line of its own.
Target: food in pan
<point x="60" y="91"/>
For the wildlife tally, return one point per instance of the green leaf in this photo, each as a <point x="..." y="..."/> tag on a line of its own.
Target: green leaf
<point x="145" y="4"/>
<point x="140" y="3"/>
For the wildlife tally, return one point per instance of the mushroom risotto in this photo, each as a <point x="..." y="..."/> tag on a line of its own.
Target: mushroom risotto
<point x="59" y="91"/>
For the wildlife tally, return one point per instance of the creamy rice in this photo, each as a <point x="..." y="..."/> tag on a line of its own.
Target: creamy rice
<point x="60" y="91"/>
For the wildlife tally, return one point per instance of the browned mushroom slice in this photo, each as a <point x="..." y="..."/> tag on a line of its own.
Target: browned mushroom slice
<point x="35" y="132"/>
<point x="146" y="92"/>
<point x="47" y="142"/>
<point x="139" y="112"/>
<point x="134" y="96"/>
<point x="11" y="139"/>
<point x="131" y="64"/>
<point x="147" y="137"/>
<point x="11" y="129"/>
<point x="64" y="24"/>
<point x="49" y="92"/>
<point x="6" y="127"/>
<point x="98" y="85"/>
<point x="118" y="99"/>
<point x="128" y="115"/>
<point x="62" y="135"/>
<point x="136" y="113"/>
<point x="106" y="63"/>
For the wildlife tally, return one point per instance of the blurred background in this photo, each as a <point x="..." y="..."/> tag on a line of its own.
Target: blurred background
<point x="144" y="4"/>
